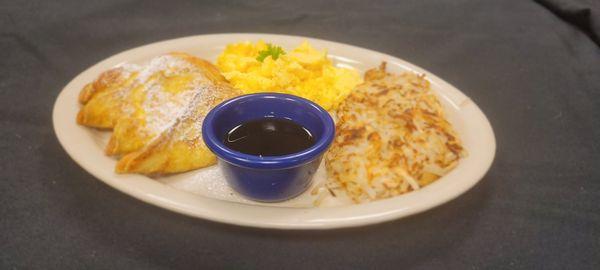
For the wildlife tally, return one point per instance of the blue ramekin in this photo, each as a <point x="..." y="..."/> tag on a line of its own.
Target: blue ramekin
<point x="269" y="178"/>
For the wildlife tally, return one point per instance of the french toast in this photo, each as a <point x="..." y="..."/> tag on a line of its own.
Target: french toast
<point x="167" y="92"/>
<point x="152" y="105"/>
<point x="105" y="99"/>
<point x="180" y="147"/>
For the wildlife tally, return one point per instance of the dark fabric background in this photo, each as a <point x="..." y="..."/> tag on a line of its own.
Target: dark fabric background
<point x="536" y="76"/>
<point x="583" y="14"/>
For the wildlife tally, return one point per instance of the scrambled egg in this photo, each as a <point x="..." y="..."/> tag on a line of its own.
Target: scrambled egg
<point x="304" y="72"/>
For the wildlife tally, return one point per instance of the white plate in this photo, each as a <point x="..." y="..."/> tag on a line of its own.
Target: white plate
<point x="203" y="193"/>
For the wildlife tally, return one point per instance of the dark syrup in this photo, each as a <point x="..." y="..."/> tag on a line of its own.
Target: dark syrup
<point x="269" y="137"/>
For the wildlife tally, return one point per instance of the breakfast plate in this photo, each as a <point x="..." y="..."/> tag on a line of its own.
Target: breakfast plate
<point x="205" y="194"/>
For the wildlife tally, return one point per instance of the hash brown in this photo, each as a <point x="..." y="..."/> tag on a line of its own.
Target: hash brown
<point x="392" y="138"/>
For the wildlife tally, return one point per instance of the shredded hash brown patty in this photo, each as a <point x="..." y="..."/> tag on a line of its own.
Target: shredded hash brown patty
<point x="392" y="138"/>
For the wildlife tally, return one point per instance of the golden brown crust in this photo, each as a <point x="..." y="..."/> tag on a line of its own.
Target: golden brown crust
<point x="211" y="71"/>
<point x="170" y="93"/>
<point x="104" y="98"/>
<point x="392" y="137"/>
<point x="107" y="79"/>
<point x="179" y="148"/>
<point x="155" y="112"/>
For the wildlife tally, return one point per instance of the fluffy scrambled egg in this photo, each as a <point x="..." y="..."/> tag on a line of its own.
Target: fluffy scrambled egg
<point x="304" y="72"/>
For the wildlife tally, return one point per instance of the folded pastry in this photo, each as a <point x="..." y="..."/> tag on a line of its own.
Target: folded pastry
<point x="105" y="99"/>
<point x="150" y="106"/>
<point x="173" y="80"/>
<point x="180" y="147"/>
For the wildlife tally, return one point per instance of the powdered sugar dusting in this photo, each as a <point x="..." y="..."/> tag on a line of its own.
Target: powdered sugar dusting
<point x="129" y="68"/>
<point x="162" y="108"/>
<point x="167" y="64"/>
<point x="161" y="92"/>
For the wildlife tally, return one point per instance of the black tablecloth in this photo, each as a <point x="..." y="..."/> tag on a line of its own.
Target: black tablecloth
<point x="535" y="75"/>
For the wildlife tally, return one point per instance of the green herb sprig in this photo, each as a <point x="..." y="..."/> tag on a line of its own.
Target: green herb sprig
<point x="273" y="51"/>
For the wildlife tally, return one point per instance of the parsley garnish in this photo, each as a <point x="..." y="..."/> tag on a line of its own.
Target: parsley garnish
<point x="273" y="51"/>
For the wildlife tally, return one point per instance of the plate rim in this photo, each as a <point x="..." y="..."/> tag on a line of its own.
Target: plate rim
<point x="302" y="218"/>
